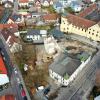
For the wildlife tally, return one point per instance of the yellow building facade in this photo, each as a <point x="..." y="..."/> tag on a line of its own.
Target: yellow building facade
<point x="92" y="32"/>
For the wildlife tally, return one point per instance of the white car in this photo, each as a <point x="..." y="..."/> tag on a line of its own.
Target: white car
<point x="18" y="80"/>
<point x="40" y="88"/>
<point x="15" y="70"/>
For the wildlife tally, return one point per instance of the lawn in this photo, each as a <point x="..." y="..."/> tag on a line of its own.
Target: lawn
<point x="50" y="9"/>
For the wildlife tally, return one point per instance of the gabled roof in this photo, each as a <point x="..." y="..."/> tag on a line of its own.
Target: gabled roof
<point x="6" y="34"/>
<point x="88" y="10"/>
<point x="58" y="4"/>
<point x="23" y="1"/>
<point x="15" y="17"/>
<point x="57" y="34"/>
<point x="79" y="21"/>
<point x="64" y="64"/>
<point x="50" y="16"/>
<point x="3" y="69"/>
<point x="2" y="26"/>
<point x="7" y="97"/>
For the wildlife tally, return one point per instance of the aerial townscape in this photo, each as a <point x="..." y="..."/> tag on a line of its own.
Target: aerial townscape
<point x="49" y="49"/>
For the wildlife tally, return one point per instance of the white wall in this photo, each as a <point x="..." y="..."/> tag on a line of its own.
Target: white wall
<point x="65" y="82"/>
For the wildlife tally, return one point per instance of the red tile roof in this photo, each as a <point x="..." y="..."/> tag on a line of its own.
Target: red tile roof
<point x="6" y="33"/>
<point x="7" y="97"/>
<point x="2" y="67"/>
<point x="79" y="21"/>
<point x="23" y="1"/>
<point x="2" y="26"/>
<point x="88" y="10"/>
<point x="50" y="17"/>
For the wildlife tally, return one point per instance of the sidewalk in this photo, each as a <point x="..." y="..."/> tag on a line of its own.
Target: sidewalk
<point x="84" y="40"/>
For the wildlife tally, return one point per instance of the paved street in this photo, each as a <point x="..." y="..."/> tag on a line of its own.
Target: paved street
<point x="84" y="40"/>
<point x="83" y="83"/>
<point x="14" y="85"/>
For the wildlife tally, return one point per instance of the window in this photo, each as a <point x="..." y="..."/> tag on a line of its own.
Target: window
<point x="82" y="29"/>
<point x="92" y="33"/>
<point x="89" y="32"/>
<point x="64" y="29"/>
<point x="96" y="35"/>
<point x="56" y="78"/>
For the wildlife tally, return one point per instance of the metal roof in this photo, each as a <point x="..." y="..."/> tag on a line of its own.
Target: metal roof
<point x="64" y="65"/>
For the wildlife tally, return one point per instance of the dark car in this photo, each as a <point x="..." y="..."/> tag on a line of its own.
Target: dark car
<point x="46" y="90"/>
<point x="21" y="86"/>
<point x="25" y="98"/>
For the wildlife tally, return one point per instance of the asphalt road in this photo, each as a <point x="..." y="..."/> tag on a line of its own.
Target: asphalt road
<point x="83" y="83"/>
<point x="14" y="85"/>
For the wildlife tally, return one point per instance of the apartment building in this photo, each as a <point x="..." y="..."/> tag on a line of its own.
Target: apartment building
<point x="80" y="26"/>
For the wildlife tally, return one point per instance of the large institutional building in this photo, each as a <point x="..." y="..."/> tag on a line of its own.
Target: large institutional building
<point x="81" y="25"/>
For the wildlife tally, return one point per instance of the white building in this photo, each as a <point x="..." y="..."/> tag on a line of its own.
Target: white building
<point x="65" y="69"/>
<point x="23" y="3"/>
<point x="36" y="36"/>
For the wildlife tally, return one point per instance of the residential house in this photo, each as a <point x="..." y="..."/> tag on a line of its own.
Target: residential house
<point x="37" y="15"/>
<point x="15" y="19"/>
<point x="23" y="3"/>
<point x="50" y="18"/>
<point x="7" y="97"/>
<point x="80" y="26"/>
<point x="88" y="1"/>
<point x="88" y="10"/>
<point x="8" y="26"/>
<point x="65" y="69"/>
<point x="8" y="4"/>
<point x="3" y="1"/>
<point x="64" y="2"/>
<point x="36" y="36"/>
<point x="76" y="6"/>
<point x="37" y="5"/>
<point x="58" y="7"/>
<point x="57" y="34"/>
<point x="4" y="79"/>
<point x="47" y="3"/>
<point x="12" y="42"/>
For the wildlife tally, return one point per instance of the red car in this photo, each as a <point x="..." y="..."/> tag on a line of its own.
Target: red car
<point x="23" y="94"/>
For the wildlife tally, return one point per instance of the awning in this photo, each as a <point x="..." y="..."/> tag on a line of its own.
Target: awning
<point x="3" y="79"/>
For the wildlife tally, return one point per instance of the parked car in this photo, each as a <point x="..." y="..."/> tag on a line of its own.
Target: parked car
<point x="23" y="94"/>
<point x="15" y="70"/>
<point x="25" y="98"/>
<point x="46" y="90"/>
<point x="39" y="88"/>
<point x="18" y="80"/>
<point x="21" y="86"/>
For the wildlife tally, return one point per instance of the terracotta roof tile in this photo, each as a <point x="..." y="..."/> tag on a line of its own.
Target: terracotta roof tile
<point x="50" y="17"/>
<point x="2" y="26"/>
<point x="88" y="10"/>
<point x="79" y="21"/>
<point x="7" y="97"/>
<point x="6" y="33"/>
<point x="23" y="1"/>
<point x="3" y="69"/>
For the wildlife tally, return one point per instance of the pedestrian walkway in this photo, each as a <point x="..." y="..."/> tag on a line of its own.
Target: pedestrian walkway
<point x="84" y="40"/>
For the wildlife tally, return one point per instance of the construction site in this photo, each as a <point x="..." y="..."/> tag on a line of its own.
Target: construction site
<point x="39" y="57"/>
